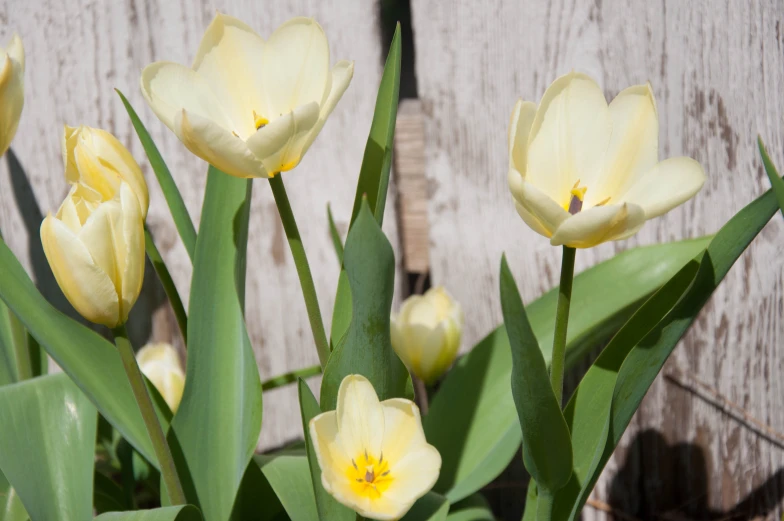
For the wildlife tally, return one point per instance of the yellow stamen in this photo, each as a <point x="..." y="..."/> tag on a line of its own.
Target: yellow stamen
<point x="603" y="202"/>
<point x="371" y="477"/>
<point x="259" y="121"/>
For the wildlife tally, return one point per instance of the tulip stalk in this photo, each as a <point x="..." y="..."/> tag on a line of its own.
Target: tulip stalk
<point x="154" y="429"/>
<point x="303" y="268"/>
<point x="561" y="323"/>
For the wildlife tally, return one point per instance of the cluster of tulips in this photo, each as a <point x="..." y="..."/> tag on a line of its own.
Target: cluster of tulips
<point x="580" y="172"/>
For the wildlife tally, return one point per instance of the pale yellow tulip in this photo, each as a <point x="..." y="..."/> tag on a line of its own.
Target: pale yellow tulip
<point x="97" y="160"/>
<point x="11" y="90"/>
<point x="373" y="455"/>
<point x="96" y="251"/>
<point x="160" y="363"/>
<point x="582" y="172"/>
<point x="426" y="333"/>
<point x="250" y="108"/>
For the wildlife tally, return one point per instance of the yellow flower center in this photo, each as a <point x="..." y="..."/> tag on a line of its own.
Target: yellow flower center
<point x="575" y="203"/>
<point x="369" y="477"/>
<point x="259" y="121"/>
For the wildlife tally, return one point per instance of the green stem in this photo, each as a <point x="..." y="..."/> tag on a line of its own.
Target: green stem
<point x="291" y="377"/>
<point x="154" y="429"/>
<point x="166" y="281"/>
<point x="303" y="269"/>
<point x="561" y="323"/>
<point x="544" y="506"/>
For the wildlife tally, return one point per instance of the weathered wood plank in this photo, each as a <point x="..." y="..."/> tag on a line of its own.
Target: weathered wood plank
<point x="717" y="68"/>
<point x="77" y="52"/>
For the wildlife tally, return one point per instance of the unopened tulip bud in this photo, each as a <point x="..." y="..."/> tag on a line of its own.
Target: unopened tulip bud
<point x="161" y="365"/>
<point x="12" y="65"/>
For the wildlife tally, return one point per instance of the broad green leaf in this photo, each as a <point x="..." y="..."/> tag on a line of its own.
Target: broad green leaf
<point x="374" y="173"/>
<point x="11" y="507"/>
<point x="645" y="358"/>
<point x="47" y="445"/>
<point x="91" y="361"/>
<point x="547" y="446"/>
<point x="775" y="181"/>
<point x="219" y="418"/>
<point x="107" y="495"/>
<point x="289" y="477"/>
<point x="328" y="508"/>
<point x="179" y="513"/>
<point x="472" y="419"/>
<point x="182" y="220"/>
<point x="472" y="508"/>
<point x="366" y="348"/>
<point x="430" y="507"/>
<point x="255" y="499"/>
<point x="15" y="362"/>
<point x="335" y="235"/>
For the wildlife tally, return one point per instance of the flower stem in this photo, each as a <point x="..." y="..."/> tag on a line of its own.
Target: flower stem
<point x="303" y="268"/>
<point x="154" y="429"/>
<point x="290" y="377"/>
<point x="168" y="284"/>
<point x="561" y="322"/>
<point x="544" y="506"/>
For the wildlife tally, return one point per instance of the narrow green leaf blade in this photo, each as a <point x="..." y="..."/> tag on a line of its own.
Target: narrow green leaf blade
<point x="335" y="235"/>
<point x="430" y="507"/>
<point x="646" y="358"/>
<point x="13" y="343"/>
<point x="166" y="281"/>
<point x="775" y="181"/>
<point x="472" y="419"/>
<point x="182" y="220"/>
<point x="472" y="508"/>
<point x="328" y="508"/>
<point x="91" y="361"/>
<point x="547" y="446"/>
<point x="219" y="418"/>
<point x="46" y="449"/>
<point x="179" y="513"/>
<point x="289" y="477"/>
<point x="366" y="349"/>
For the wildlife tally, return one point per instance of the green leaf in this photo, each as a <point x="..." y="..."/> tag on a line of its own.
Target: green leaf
<point x="472" y="508"/>
<point x="11" y="507"/>
<point x="255" y="499"/>
<point x="219" y="418"/>
<point x="472" y="419"/>
<point x="179" y="513"/>
<point x="775" y="181"/>
<point x="47" y="445"/>
<point x="547" y="446"/>
<point x="166" y="281"/>
<point x="289" y="477"/>
<point x="182" y="220"/>
<point x="335" y="235"/>
<point x="14" y="356"/>
<point x="645" y="358"/>
<point x="374" y="174"/>
<point x="328" y="508"/>
<point x="366" y="349"/>
<point x="107" y="495"/>
<point x="430" y="507"/>
<point x="91" y="361"/>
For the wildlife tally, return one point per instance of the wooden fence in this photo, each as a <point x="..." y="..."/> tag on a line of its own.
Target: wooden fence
<point x="717" y="69"/>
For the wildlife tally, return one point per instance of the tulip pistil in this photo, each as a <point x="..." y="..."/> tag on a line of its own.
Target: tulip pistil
<point x="577" y="195"/>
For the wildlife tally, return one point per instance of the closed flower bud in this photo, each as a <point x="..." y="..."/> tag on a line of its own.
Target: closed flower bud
<point x="161" y="365"/>
<point x="96" y="251"/>
<point x="95" y="159"/>
<point x="12" y="65"/>
<point x="426" y="333"/>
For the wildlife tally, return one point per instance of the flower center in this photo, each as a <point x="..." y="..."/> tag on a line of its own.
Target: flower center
<point x="576" y="200"/>
<point x="369" y="476"/>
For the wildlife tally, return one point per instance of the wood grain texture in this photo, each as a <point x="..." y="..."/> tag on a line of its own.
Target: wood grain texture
<point x="716" y="67"/>
<point x="77" y="52"/>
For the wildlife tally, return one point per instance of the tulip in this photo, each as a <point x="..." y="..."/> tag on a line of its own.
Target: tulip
<point x="161" y="365"/>
<point x="11" y="91"/>
<point x="373" y="455"/>
<point x="426" y="333"/>
<point x="96" y="251"/>
<point x="582" y="172"/>
<point x="97" y="160"/>
<point x="250" y="108"/>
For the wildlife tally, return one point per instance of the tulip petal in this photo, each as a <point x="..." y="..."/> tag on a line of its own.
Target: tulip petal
<point x="414" y="475"/>
<point x="279" y="145"/>
<point x="133" y="251"/>
<point x="342" y="73"/>
<point x="402" y="428"/>
<point x="86" y="286"/>
<point x="360" y="417"/>
<point x="547" y="213"/>
<point x="568" y="138"/>
<point x="599" y="224"/>
<point x="327" y="443"/>
<point x="667" y="185"/>
<point x="532" y="222"/>
<point x="102" y="236"/>
<point x="519" y="128"/>
<point x="115" y="157"/>
<point x="634" y="144"/>
<point x="170" y="88"/>
<point x="295" y="66"/>
<point x="229" y="59"/>
<point x="12" y="96"/>
<point x="16" y="51"/>
<point x="217" y="146"/>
